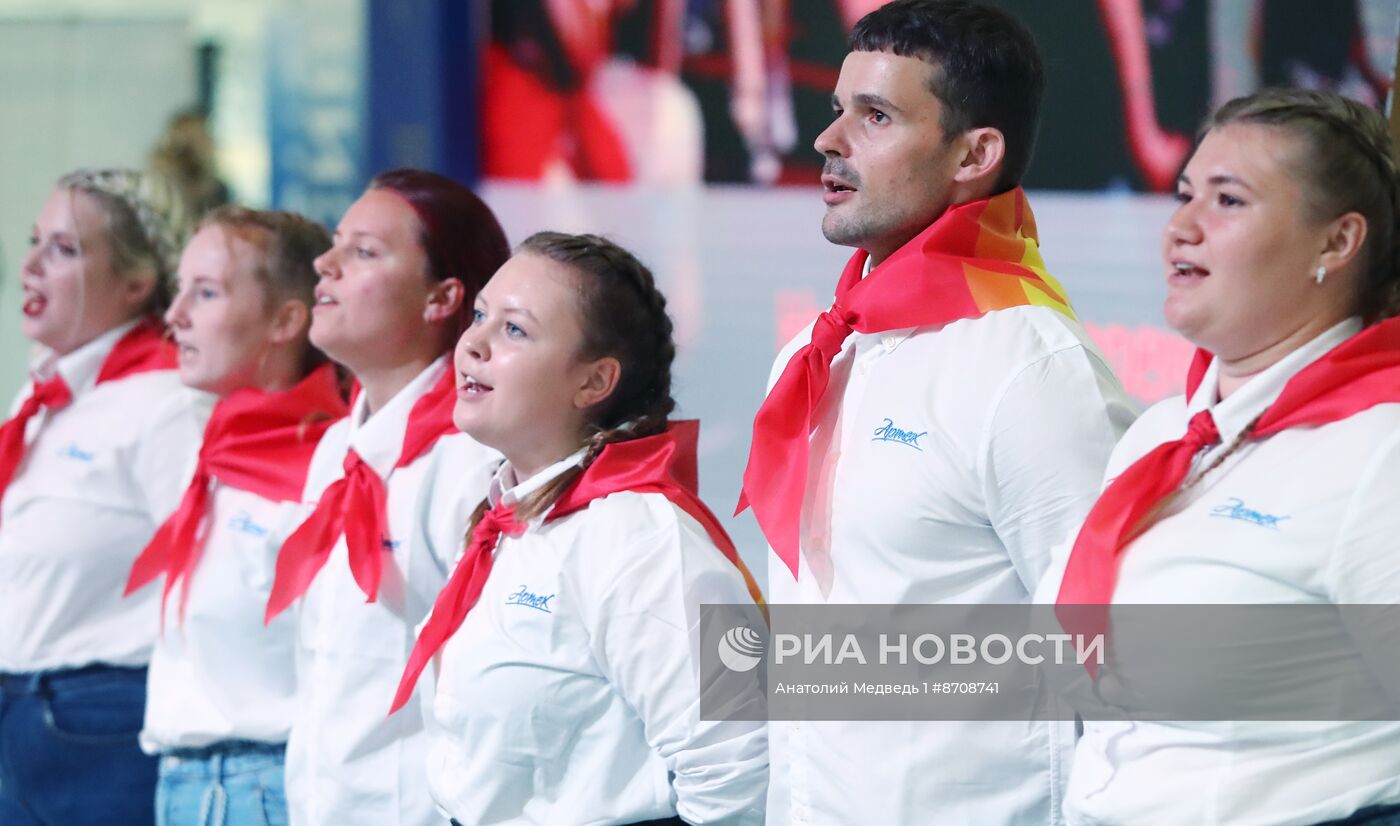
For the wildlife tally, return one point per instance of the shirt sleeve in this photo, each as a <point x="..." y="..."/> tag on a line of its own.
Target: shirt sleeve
<point x="1046" y="447"/>
<point x="167" y="450"/>
<point x="643" y="620"/>
<point x="1363" y="576"/>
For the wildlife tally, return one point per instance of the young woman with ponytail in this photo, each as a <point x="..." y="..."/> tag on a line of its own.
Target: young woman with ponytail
<point x="395" y="292"/>
<point x="222" y="687"/>
<point x="1273" y="481"/>
<point x="568" y="683"/>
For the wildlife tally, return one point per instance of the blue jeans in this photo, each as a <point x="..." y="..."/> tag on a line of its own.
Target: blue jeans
<point x="234" y="783"/>
<point x="1386" y="814"/>
<point x="68" y="752"/>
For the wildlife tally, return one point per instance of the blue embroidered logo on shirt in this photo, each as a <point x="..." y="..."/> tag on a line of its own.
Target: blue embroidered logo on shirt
<point x="887" y="432"/>
<point x="1235" y="509"/>
<point x="72" y="451"/>
<point x="539" y="602"/>
<point x="243" y="523"/>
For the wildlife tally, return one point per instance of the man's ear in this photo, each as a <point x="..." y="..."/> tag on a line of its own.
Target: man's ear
<point x="444" y="300"/>
<point x="600" y="378"/>
<point x="984" y="148"/>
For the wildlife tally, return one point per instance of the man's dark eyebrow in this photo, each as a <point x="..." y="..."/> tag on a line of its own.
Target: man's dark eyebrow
<point x="869" y="100"/>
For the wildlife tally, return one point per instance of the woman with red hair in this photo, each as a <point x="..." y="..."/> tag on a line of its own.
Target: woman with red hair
<point x="394" y="294"/>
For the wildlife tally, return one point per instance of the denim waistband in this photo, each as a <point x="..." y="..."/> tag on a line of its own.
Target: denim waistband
<point x="38" y="682"/>
<point x="226" y="748"/>
<point x="1384" y="814"/>
<point x="667" y="821"/>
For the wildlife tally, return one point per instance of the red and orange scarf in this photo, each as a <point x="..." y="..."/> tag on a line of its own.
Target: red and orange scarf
<point x="977" y="258"/>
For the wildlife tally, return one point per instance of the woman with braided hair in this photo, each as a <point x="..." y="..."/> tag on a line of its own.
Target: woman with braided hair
<point x="1273" y="481"/>
<point x="95" y="455"/>
<point x="568" y="687"/>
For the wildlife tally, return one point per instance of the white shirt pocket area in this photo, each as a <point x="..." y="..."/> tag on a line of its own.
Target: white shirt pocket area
<point x="589" y="711"/>
<point x="217" y="673"/>
<point x="99" y="476"/>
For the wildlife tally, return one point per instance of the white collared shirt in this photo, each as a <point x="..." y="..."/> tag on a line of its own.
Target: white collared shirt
<point x="945" y="463"/>
<point x="348" y="762"/>
<point x="98" y="477"/>
<point x="1306" y="516"/>
<point x="571" y="692"/>
<point x="220" y="674"/>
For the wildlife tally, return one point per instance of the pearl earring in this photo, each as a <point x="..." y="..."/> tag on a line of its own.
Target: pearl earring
<point x="1321" y="273"/>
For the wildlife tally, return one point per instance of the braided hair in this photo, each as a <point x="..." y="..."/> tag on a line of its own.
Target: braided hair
<point x="623" y="315"/>
<point x="1347" y="165"/>
<point x="146" y="223"/>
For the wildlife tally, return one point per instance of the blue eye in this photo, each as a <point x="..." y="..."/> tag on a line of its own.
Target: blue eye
<point x="363" y="252"/>
<point x="514" y="330"/>
<point x="205" y="294"/>
<point x="878" y="116"/>
<point x="478" y="316"/>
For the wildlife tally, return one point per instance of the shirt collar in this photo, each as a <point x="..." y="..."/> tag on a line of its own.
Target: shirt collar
<point x="378" y="437"/>
<point x="506" y="489"/>
<point x="79" y="368"/>
<point x="1232" y="415"/>
<point x="889" y="339"/>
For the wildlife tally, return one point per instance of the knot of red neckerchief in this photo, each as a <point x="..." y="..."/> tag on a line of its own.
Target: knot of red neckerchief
<point x="1092" y="569"/>
<point x="664" y="463"/>
<point x="976" y="258"/>
<point x="353" y="505"/>
<point x="49" y="395"/>
<point x="356" y="506"/>
<point x="143" y="348"/>
<point x="256" y="441"/>
<point x="456" y="599"/>
<point x="1356" y="375"/>
<point x="175" y="549"/>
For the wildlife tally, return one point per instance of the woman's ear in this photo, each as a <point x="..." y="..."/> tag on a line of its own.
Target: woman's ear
<point x="599" y="380"/>
<point x="444" y="300"/>
<point x="289" y="321"/>
<point x="137" y="289"/>
<point x="1346" y="235"/>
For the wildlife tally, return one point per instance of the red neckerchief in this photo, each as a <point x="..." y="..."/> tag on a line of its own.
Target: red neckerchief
<point x="356" y="505"/>
<point x="977" y="257"/>
<point x="255" y="441"/>
<point x="142" y="349"/>
<point x="1356" y="375"/>
<point x="664" y="463"/>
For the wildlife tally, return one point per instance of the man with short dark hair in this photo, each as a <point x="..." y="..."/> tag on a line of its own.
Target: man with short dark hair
<point x="929" y="438"/>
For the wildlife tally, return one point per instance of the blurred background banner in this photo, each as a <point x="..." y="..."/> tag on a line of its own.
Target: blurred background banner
<point x="681" y="128"/>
